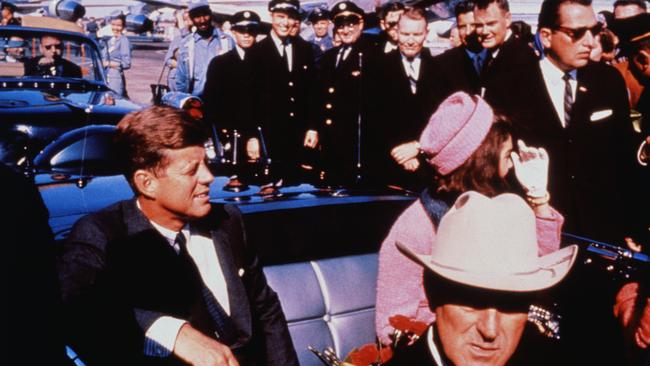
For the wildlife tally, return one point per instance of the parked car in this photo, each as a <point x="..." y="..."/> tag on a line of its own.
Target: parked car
<point x="35" y="107"/>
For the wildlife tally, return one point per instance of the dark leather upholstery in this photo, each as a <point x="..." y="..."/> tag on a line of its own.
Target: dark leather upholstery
<point x="327" y="303"/>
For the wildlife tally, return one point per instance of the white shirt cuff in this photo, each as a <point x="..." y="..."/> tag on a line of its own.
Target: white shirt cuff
<point x="161" y="336"/>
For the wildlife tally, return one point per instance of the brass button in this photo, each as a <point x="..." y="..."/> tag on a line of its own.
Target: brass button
<point x="291" y="83"/>
<point x="328" y="121"/>
<point x="328" y="106"/>
<point x="331" y="90"/>
<point x="290" y="114"/>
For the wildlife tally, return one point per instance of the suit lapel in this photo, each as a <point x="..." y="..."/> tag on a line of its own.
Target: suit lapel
<point x="547" y="104"/>
<point x="582" y="100"/>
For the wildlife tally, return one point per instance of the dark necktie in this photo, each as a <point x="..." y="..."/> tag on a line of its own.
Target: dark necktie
<point x="285" y="57"/>
<point x="568" y="98"/>
<point x="224" y="329"/>
<point x="478" y="63"/>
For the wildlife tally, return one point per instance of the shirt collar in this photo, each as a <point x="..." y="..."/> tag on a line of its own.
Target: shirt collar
<point x="495" y="53"/>
<point x="240" y="51"/>
<point x="433" y="348"/>
<point x="169" y="235"/>
<point x="390" y="47"/>
<point x="553" y="72"/>
<point x="278" y="42"/>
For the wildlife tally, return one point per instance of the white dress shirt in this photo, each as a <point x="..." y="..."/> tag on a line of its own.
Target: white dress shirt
<point x="289" y="48"/>
<point x="553" y="78"/>
<point x="240" y="52"/>
<point x="388" y="47"/>
<point x="433" y="348"/>
<point x="201" y="249"/>
<point x="413" y="72"/>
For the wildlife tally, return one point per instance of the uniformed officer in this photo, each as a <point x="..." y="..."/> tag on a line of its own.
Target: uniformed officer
<point x="230" y="85"/>
<point x="198" y="49"/>
<point x="286" y="87"/>
<point x="345" y="77"/>
<point x="171" y="57"/>
<point x="320" y="22"/>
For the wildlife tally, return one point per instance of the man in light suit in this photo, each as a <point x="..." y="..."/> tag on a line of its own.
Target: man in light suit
<point x="167" y="278"/>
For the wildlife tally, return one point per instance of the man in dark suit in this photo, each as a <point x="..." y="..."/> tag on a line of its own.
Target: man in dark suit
<point x="229" y="86"/>
<point x="506" y="54"/>
<point x="409" y="94"/>
<point x="50" y="63"/>
<point x="167" y="278"/>
<point x="348" y="81"/>
<point x="460" y="67"/>
<point x="31" y="298"/>
<point x="579" y="112"/>
<point x="286" y="85"/>
<point x="389" y="14"/>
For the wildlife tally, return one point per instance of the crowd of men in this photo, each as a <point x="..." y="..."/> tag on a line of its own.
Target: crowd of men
<point x="168" y="278"/>
<point x="349" y="109"/>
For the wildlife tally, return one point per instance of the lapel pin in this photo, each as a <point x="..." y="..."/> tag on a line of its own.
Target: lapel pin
<point x="582" y="89"/>
<point x="241" y="272"/>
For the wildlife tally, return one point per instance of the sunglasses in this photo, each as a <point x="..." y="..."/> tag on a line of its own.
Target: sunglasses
<point x="577" y="34"/>
<point x="57" y="46"/>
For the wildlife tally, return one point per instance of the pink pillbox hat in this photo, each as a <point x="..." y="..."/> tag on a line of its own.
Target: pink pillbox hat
<point x="455" y="130"/>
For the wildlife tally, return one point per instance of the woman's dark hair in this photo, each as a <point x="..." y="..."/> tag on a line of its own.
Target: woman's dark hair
<point x="481" y="171"/>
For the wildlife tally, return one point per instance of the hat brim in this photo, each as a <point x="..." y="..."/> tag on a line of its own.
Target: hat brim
<point x="552" y="268"/>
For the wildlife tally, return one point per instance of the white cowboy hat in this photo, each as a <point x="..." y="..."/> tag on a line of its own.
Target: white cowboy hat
<point x="491" y="243"/>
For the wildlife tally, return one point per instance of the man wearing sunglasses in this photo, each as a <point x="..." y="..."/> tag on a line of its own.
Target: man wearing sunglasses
<point x="50" y="63"/>
<point x="390" y="13"/>
<point x="346" y="88"/>
<point x="578" y="111"/>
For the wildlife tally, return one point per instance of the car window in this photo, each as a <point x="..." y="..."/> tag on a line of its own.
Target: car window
<point x="18" y="50"/>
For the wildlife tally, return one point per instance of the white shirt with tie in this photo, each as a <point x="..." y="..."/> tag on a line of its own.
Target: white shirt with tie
<point x="279" y="45"/>
<point x="555" y="85"/>
<point x="412" y="68"/>
<point x="201" y="249"/>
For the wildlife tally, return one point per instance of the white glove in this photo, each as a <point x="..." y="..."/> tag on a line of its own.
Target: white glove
<point x="531" y="169"/>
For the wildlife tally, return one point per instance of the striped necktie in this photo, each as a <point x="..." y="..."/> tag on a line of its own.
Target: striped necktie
<point x="411" y="74"/>
<point x="568" y="98"/>
<point x="224" y="328"/>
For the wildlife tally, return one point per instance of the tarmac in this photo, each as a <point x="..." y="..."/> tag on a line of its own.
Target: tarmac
<point x="146" y="66"/>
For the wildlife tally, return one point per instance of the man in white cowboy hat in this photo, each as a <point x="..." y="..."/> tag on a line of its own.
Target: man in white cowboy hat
<point x="480" y="278"/>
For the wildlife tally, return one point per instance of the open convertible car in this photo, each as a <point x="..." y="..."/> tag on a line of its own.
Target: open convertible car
<point x="38" y="104"/>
